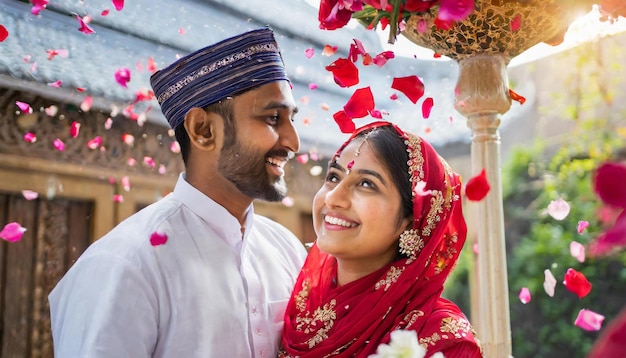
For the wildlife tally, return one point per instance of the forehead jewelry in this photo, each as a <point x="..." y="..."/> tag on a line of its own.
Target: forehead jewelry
<point x="357" y="152"/>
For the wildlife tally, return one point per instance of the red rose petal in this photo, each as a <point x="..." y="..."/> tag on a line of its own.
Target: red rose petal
<point x="411" y="86"/>
<point x="477" y="187"/>
<point x="360" y="103"/>
<point x="345" y="73"/>
<point x="577" y="283"/>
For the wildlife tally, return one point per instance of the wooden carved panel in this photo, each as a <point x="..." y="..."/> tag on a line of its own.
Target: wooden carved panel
<point x="150" y="141"/>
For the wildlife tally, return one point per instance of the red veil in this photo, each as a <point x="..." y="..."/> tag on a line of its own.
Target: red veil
<point x="323" y="320"/>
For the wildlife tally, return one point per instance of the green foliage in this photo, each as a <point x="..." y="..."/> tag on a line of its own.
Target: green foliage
<point x="545" y="326"/>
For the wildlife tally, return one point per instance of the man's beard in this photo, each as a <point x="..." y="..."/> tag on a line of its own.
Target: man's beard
<point x="246" y="169"/>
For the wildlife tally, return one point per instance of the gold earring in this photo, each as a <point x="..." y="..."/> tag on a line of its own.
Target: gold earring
<point x="201" y="141"/>
<point x="410" y="243"/>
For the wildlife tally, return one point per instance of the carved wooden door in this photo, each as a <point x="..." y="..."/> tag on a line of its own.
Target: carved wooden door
<point x="58" y="231"/>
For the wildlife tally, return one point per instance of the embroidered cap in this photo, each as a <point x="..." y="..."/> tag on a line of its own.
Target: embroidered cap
<point x="211" y="74"/>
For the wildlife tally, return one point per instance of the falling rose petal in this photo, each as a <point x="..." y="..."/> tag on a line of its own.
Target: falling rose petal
<point x="56" y="84"/>
<point x="111" y="180"/>
<point x="549" y="282"/>
<point x="80" y="89"/>
<point x="411" y="86"/>
<point x="104" y="12"/>
<point x="329" y="50"/>
<point x="589" y="320"/>
<point x="85" y="106"/>
<point x="162" y="169"/>
<point x="118" y="4"/>
<point x="30" y="195"/>
<point x="577" y="250"/>
<point x="360" y="103"/>
<point x="306" y="121"/>
<point x="24" y="107"/>
<point x="524" y="295"/>
<point x="302" y="158"/>
<point x="118" y="198"/>
<point x="84" y="28"/>
<point x="477" y="187"/>
<point x="30" y="137"/>
<point x="175" y="147"/>
<point x="376" y="114"/>
<point x="33" y="67"/>
<point x="4" y="33"/>
<point x="516" y="97"/>
<point x="346" y="125"/>
<point x="51" y="111"/>
<point x="95" y="143"/>
<point x="608" y="184"/>
<point x="74" y="129"/>
<point x="151" y="66"/>
<point x="455" y="10"/>
<point x="58" y="145"/>
<point x="516" y="23"/>
<point x="475" y="248"/>
<point x="126" y="183"/>
<point x="128" y="139"/>
<point x="157" y="239"/>
<point x="108" y="123"/>
<point x="427" y="105"/>
<point x="122" y="76"/>
<point x="345" y="73"/>
<point x="12" y="232"/>
<point x="393" y="97"/>
<point x="288" y="201"/>
<point x="558" y="209"/>
<point x="582" y="225"/>
<point x="181" y="31"/>
<point x="149" y="161"/>
<point x="38" y="6"/>
<point x="312" y="86"/>
<point x="611" y="240"/>
<point x="309" y="52"/>
<point x="325" y="106"/>
<point x="577" y="283"/>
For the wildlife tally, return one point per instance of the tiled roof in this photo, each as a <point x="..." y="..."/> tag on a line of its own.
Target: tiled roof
<point x="164" y="29"/>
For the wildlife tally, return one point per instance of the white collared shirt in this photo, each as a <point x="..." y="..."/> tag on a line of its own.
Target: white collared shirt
<point x="204" y="293"/>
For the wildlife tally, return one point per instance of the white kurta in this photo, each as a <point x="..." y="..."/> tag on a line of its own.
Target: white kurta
<point x="204" y="293"/>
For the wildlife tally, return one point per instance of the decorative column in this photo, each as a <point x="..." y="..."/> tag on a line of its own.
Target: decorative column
<point x="482" y="95"/>
<point x="483" y="44"/>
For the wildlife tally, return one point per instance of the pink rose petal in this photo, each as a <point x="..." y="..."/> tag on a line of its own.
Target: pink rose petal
<point x="128" y="139"/>
<point x="175" y="147"/>
<point x="51" y="111"/>
<point x="30" y="195"/>
<point x="94" y="143"/>
<point x="582" y="225"/>
<point x="558" y="209"/>
<point x="524" y="295"/>
<point x="157" y="239"/>
<point x="126" y="183"/>
<point x="58" y="145"/>
<point x="118" y="4"/>
<point x="302" y="158"/>
<point x="30" y="137"/>
<point x="56" y="84"/>
<point x="549" y="283"/>
<point x="309" y="52"/>
<point x="117" y="198"/>
<point x="24" y="107"/>
<point x="74" y="129"/>
<point x="84" y="28"/>
<point x="149" y="161"/>
<point x="122" y="76"/>
<point x="577" y="250"/>
<point x="85" y="106"/>
<point x="589" y="320"/>
<point x="12" y="232"/>
<point x="162" y="169"/>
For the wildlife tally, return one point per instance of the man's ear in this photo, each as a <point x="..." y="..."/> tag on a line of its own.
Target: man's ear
<point x="204" y="128"/>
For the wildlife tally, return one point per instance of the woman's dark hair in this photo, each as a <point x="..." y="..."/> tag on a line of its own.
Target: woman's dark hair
<point x="225" y="110"/>
<point x="391" y="151"/>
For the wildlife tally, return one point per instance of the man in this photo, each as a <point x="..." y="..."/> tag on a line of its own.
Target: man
<point x="198" y="274"/>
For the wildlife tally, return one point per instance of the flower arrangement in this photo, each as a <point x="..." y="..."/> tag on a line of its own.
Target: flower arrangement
<point x="335" y="14"/>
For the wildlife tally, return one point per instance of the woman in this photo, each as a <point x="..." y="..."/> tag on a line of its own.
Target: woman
<point x="389" y="230"/>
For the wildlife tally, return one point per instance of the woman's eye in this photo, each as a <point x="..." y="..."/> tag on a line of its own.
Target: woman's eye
<point x="367" y="184"/>
<point x="331" y="177"/>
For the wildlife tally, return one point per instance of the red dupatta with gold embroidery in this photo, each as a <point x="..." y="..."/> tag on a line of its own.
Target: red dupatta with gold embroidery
<point x="323" y="320"/>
